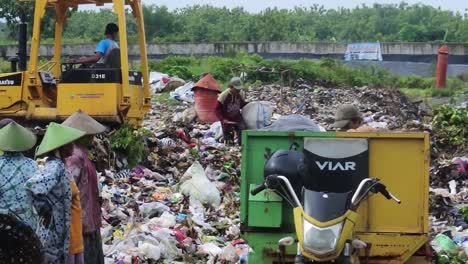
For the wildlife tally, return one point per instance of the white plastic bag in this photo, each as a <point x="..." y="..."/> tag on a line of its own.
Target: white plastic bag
<point x="210" y="249"/>
<point x="156" y="81"/>
<point x="166" y="220"/>
<point x="150" y="251"/>
<point x="184" y="93"/>
<point x="257" y="115"/>
<point x="195" y="184"/>
<point x="149" y="209"/>
<point x="167" y="243"/>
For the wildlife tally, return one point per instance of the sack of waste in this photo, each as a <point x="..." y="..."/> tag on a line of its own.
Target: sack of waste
<point x="257" y="115"/>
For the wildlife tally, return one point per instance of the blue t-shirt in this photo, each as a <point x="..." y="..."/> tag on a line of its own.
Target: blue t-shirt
<point x="105" y="46"/>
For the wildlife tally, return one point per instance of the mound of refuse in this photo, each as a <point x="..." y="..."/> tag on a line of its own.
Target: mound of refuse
<point x="181" y="204"/>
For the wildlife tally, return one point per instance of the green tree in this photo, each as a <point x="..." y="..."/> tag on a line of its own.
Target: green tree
<point x="379" y="22"/>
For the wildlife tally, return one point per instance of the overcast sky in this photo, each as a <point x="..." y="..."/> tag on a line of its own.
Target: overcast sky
<point x="258" y="5"/>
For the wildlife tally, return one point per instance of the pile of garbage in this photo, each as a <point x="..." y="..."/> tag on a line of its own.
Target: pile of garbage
<point x="449" y="184"/>
<point x="381" y="108"/>
<point x="181" y="204"/>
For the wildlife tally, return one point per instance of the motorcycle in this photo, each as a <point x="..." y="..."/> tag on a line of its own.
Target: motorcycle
<point x="324" y="220"/>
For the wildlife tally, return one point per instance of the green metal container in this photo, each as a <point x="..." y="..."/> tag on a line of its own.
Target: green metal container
<point x="265" y="209"/>
<point x="395" y="158"/>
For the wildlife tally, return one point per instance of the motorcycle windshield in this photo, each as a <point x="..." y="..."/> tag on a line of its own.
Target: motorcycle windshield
<point x="324" y="206"/>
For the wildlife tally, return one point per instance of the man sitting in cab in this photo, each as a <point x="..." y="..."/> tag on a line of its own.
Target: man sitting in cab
<point x="104" y="48"/>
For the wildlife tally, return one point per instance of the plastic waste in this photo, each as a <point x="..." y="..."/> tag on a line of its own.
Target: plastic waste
<point x="150" y="251"/>
<point x="197" y="212"/>
<point x="462" y="164"/>
<point x="453" y="187"/>
<point x="243" y="251"/>
<point x="195" y="184"/>
<point x="215" y="131"/>
<point x="233" y="232"/>
<point x="148" y="210"/>
<point x="368" y="119"/>
<point x="210" y="249"/>
<point x="378" y="124"/>
<point x="167" y="243"/>
<point x="189" y="115"/>
<point x="166" y="220"/>
<point x="465" y="245"/>
<point x="442" y="243"/>
<point x="229" y="254"/>
<point x="181" y="217"/>
<point x="257" y="115"/>
<point x="157" y="81"/>
<point x="184" y="93"/>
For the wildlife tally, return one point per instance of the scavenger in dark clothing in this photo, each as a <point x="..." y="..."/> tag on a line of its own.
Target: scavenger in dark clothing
<point x="228" y="110"/>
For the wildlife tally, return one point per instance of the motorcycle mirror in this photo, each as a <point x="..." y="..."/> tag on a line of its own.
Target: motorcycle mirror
<point x="286" y="241"/>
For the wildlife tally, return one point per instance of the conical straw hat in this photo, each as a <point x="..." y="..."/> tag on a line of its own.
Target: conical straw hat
<point x="57" y="136"/>
<point x="82" y="121"/>
<point x="208" y="82"/>
<point x="15" y="138"/>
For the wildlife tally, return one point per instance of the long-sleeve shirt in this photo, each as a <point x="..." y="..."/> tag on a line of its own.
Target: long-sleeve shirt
<point x="84" y="173"/>
<point x="15" y="170"/>
<point x="229" y="105"/>
<point x="51" y="189"/>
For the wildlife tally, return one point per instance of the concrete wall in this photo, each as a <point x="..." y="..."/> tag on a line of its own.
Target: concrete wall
<point x="415" y="52"/>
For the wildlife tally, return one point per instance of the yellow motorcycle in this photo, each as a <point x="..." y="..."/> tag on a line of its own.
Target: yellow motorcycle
<point x="324" y="221"/>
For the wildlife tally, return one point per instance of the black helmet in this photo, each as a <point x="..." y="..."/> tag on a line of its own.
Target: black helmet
<point x="288" y="163"/>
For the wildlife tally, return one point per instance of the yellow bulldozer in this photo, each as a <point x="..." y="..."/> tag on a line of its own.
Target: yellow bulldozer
<point x="53" y="91"/>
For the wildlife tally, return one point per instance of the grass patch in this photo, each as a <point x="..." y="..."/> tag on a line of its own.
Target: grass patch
<point x="164" y="98"/>
<point x="416" y="92"/>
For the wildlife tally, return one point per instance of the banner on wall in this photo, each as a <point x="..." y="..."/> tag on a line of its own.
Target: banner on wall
<point x="363" y="51"/>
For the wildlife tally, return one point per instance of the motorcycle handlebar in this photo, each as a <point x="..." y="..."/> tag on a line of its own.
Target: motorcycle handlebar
<point x="376" y="187"/>
<point x="389" y="195"/>
<point x="394" y="198"/>
<point x="258" y="189"/>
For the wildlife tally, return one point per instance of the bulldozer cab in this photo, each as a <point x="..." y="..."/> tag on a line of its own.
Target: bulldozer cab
<point x="109" y="92"/>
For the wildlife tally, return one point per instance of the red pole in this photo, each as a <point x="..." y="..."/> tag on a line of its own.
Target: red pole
<point x="442" y="61"/>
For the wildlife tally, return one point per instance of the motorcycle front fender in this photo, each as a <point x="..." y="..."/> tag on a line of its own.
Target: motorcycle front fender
<point x="347" y="233"/>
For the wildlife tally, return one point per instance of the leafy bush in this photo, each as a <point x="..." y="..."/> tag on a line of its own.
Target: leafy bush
<point x="179" y="71"/>
<point x="5" y="66"/>
<point x="174" y="66"/>
<point x="178" y="61"/>
<point x="414" y="81"/>
<point x="222" y="68"/>
<point x="327" y="72"/>
<point x="130" y="143"/>
<point x="450" y="126"/>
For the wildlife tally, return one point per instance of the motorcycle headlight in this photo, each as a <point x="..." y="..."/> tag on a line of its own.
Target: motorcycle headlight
<point x="321" y="240"/>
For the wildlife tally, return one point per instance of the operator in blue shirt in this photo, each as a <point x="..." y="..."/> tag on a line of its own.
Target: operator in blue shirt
<point x="104" y="47"/>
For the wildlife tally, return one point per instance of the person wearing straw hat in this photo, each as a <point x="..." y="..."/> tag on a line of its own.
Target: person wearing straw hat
<point x="4" y="122"/>
<point x="51" y="191"/>
<point x="348" y="118"/>
<point x="84" y="173"/>
<point x="228" y="110"/>
<point x="15" y="170"/>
